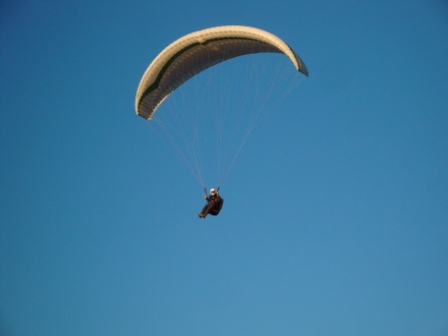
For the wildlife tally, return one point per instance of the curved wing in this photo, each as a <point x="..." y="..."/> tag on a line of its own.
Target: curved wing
<point x="198" y="51"/>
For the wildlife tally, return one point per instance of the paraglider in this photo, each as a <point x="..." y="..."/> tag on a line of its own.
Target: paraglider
<point x="214" y="204"/>
<point x="186" y="58"/>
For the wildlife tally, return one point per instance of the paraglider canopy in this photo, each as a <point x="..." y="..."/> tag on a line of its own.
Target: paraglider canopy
<point x="198" y="51"/>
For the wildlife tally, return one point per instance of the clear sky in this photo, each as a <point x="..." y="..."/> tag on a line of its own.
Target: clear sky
<point x="334" y="224"/>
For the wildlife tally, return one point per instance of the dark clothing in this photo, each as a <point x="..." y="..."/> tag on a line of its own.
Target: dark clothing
<point x="213" y="206"/>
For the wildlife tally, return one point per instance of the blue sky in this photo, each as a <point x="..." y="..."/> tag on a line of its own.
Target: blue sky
<point x="334" y="224"/>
